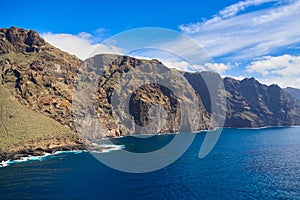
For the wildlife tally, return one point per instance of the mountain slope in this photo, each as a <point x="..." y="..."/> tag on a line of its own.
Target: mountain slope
<point x="252" y="104"/>
<point x="28" y="83"/>
<point x="41" y="78"/>
<point x="294" y="92"/>
<point x="23" y="131"/>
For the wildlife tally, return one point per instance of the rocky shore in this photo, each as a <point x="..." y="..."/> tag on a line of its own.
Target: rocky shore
<point x="41" y="147"/>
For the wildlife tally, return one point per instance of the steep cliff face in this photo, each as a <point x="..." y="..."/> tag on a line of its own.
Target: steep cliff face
<point x="294" y="92"/>
<point x="252" y="104"/>
<point x="126" y="81"/>
<point x="38" y="74"/>
<point x="249" y="103"/>
<point x="19" y="41"/>
<point x="42" y="78"/>
<point x="32" y="94"/>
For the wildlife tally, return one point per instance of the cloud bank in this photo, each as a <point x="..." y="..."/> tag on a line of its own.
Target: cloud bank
<point x="248" y="35"/>
<point x="81" y="45"/>
<point x="283" y="70"/>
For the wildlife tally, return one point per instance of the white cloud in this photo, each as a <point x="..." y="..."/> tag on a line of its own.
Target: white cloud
<point x="218" y="67"/>
<point x="283" y="70"/>
<point x="236" y="77"/>
<point x="234" y="9"/>
<point x="174" y="63"/>
<point x="283" y="82"/>
<point x="80" y="45"/>
<point x="276" y="14"/>
<point x="185" y="66"/>
<point x="245" y="36"/>
<point x="227" y="12"/>
<point x="188" y="67"/>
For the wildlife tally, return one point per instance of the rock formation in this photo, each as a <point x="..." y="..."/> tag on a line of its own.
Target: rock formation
<point x="44" y="79"/>
<point x="294" y="92"/>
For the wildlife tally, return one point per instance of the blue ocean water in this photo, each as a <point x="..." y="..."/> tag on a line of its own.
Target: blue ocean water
<point x="245" y="164"/>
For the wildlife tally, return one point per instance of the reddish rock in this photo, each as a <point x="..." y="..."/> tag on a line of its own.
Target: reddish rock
<point x="46" y="101"/>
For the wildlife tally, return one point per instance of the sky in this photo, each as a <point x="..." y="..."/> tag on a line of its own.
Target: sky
<point x="238" y="38"/>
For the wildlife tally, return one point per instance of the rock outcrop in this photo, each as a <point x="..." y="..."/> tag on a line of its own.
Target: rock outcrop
<point x="20" y="40"/>
<point x="294" y="92"/>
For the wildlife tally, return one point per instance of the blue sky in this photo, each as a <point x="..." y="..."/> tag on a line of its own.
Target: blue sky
<point x="245" y="38"/>
<point x="115" y="16"/>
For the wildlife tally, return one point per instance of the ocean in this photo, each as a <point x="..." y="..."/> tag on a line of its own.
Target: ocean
<point x="244" y="164"/>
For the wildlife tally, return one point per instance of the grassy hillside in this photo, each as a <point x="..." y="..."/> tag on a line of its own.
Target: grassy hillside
<point x="20" y="125"/>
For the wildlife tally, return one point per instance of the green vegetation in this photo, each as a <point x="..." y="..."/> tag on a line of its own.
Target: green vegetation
<point x="19" y="124"/>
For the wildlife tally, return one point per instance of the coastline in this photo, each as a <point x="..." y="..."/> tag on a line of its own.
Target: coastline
<point x="42" y="155"/>
<point x="30" y="154"/>
<point x="263" y="127"/>
<point x="24" y="153"/>
<point x="36" y="158"/>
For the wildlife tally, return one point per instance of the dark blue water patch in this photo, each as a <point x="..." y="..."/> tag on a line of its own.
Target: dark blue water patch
<point x="143" y="144"/>
<point x="245" y="164"/>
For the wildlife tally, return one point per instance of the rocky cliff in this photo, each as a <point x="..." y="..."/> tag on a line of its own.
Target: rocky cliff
<point x="35" y="98"/>
<point x="128" y="90"/>
<point x="250" y="103"/>
<point x="43" y="79"/>
<point x="294" y="92"/>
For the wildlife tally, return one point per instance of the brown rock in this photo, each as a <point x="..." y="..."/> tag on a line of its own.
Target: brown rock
<point x="46" y="101"/>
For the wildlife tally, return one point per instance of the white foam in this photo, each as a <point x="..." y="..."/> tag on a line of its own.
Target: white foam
<point x="296" y="126"/>
<point x="261" y="128"/>
<point x="108" y="147"/>
<point x="73" y="152"/>
<point x="24" y="159"/>
<point x="4" y="163"/>
<point x="111" y="147"/>
<point x="35" y="158"/>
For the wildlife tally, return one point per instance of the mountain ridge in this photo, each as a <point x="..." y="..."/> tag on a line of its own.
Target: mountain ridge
<point x="294" y="92"/>
<point x="41" y="77"/>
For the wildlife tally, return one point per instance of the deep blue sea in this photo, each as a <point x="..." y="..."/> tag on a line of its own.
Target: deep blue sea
<point x="245" y="164"/>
